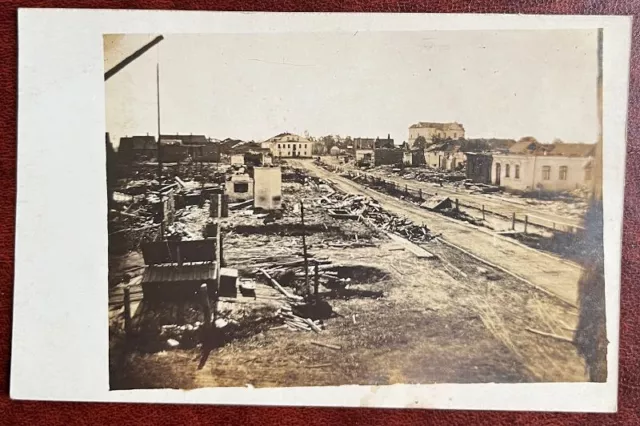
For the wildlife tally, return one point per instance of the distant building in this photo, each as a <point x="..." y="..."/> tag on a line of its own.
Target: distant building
<point x="179" y="147"/>
<point x="288" y="145"/>
<point x="385" y="143"/>
<point x="430" y="131"/>
<point x="137" y="148"/>
<point x="530" y="165"/>
<point x="364" y="143"/>
<point x="187" y="139"/>
<point x="446" y="155"/>
<point x="373" y="143"/>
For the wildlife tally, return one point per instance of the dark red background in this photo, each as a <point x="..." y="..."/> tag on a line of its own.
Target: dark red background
<point x="20" y="412"/>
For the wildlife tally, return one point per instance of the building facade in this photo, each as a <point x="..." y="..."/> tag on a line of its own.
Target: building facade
<point x="288" y="145"/>
<point x="137" y="148"/>
<point x="533" y="166"/>
<point x="430" y="131"/>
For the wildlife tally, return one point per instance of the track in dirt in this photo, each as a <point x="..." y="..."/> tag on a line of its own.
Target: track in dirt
<point x="539" y="269"/>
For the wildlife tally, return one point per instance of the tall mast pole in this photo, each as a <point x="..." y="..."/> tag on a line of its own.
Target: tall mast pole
<point x="159" y="134"/>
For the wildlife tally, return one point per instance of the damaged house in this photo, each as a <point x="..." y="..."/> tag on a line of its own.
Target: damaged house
<point x="480" y="153"/>
<point x="530" y="165"/>
<point x="431" y="131"/>
<point x="446" y="155"/>
<point x="176" y="148"/>
<point x="137" y="148"/>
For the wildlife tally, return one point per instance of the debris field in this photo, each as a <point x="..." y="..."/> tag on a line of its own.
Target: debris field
<point x="332" y="289"/>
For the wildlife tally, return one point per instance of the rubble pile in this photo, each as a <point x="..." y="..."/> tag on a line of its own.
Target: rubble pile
<point x="368" y="210"/>
<point x="422" y="174"/>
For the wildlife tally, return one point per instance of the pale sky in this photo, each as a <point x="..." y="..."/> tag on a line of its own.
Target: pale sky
<point x="505" y="84"/>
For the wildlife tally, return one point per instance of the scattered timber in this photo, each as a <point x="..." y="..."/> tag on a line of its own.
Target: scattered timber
<point x="326" y="345"/>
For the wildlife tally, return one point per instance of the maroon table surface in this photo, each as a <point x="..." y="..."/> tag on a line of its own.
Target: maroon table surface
<point x="55" y="413"/>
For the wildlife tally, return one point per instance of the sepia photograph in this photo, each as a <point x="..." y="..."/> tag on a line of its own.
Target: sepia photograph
<point x="308" y="209"/>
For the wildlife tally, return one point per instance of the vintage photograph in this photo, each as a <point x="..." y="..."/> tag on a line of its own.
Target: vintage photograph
<point x="354" y="208"/>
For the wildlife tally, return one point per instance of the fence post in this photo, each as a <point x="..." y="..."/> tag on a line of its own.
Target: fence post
<point x="457" y="205"/>
<point x="526" y="222"/>
<point x="206" y="307"/>
<point x="406" y="189"/>
<point x="513" y="222"/>
<point x="483" y="212"/>
<point x="316" y="283"/>
<point x="420" y="193"/>
<point x="127" y="313"/>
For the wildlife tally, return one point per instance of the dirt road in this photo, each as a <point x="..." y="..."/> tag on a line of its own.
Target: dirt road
<point x="542" y="270"/>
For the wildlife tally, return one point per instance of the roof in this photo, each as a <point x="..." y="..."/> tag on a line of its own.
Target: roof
<point x="448" y="146"/>
<point x="138" y="142"/>
<point x="574" y="149"/>
<point x="529" y="146"/>
<point x="282" y="137"/>
<point x="241" y="147"/>
<point x="187" y="139"/>
<point x="439" y="126"/>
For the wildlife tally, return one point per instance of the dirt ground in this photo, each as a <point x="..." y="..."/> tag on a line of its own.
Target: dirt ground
<point x="450" y="319"/>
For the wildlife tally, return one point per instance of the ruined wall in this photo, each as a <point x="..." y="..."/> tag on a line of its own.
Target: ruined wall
<point x="267" y="190"/>
<point x="239" y="187"/>
<point x="388" y="156"/>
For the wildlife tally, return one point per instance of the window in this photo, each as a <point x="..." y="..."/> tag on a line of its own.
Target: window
<point x="507" y="168"/>
<point x="278" y="145"/>
<point x="517" y="171"/>
<point x="563" y="172"/>
<point x="546" y="172"/>
<point x="240" y="187"/>
<point x="455" y="135"/>
<point x="288" y="145"/>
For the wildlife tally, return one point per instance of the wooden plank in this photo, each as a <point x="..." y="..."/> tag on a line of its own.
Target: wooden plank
<point x="418" y="251"/>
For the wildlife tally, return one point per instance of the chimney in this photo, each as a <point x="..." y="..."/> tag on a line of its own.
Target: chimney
<point x="388" y="136"/>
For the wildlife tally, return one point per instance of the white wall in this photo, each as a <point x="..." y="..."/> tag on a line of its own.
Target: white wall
<point x="429" y="133"/>
<point x="284" y="147"/>
<point x="531" y="172"/>
<point x="267" y="183"/>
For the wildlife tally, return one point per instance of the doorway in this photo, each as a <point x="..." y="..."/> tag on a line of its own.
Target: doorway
<point x="498" y="174"/>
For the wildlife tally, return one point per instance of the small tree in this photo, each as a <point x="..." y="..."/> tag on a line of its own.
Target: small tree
<point x="420" y="142"/>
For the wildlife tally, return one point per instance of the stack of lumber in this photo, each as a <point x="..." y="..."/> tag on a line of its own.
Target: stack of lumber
<point x="298" y="323"/>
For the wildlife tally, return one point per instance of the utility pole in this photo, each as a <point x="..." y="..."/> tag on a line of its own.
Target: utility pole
<point x="159" y="134"/>
<point x="304" y="248"/>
